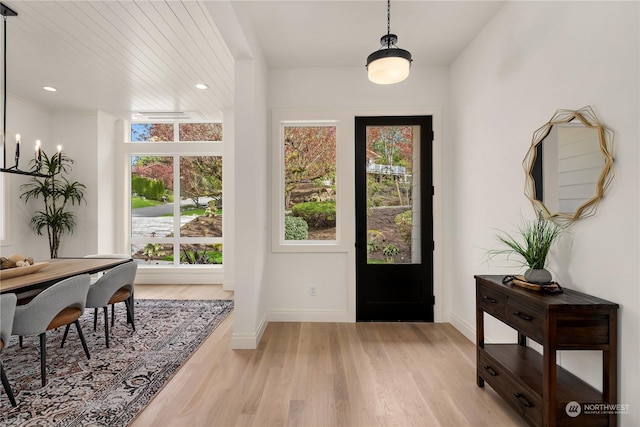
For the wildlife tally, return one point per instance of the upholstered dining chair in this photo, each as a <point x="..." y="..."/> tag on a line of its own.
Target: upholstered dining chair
<point x="58" y="305"/>
<point x="114" y="286"/>
<point x="7" y="310"/>
<point x="95" y="277"/>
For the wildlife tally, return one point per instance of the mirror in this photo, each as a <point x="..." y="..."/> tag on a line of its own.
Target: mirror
<point x="569" y="165"/>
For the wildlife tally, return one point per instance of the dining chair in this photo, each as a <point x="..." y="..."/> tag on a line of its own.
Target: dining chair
<point x="7" y="310"/>
<point x="58" y="305"/>
<point x="114" y="286"/>
<point x="95" y="277"/>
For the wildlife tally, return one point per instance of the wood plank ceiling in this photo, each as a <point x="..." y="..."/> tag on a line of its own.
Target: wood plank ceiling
<point x="121" y="57"/>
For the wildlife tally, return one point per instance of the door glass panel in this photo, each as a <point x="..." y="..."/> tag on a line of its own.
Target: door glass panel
<point x="393" y="201"/>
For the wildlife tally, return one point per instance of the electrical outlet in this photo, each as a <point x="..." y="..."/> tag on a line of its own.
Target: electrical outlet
<point x="313" y="291"/>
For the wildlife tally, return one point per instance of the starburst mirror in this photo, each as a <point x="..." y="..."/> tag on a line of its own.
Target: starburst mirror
<point x="569" y="165"/>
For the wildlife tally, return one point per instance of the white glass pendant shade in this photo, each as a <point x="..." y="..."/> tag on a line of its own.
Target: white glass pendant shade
<point x="388" y="70"/>
<point x="390" y="64"/>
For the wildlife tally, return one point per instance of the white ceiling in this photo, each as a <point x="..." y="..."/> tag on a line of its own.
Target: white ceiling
<point x="124" y="57"/>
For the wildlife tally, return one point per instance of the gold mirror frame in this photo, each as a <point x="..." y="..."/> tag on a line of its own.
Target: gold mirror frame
<point x="588" y="118"/>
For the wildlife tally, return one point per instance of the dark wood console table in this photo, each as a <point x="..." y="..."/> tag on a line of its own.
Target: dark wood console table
<point x="544" y="393"/>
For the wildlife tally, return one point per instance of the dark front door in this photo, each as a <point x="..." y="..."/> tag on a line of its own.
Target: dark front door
<point x="394" y="220"/>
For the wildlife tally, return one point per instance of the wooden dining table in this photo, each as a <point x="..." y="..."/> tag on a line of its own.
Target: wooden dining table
<point x="57" y="270"/>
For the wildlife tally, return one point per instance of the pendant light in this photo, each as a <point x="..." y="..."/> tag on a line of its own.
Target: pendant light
<point x="389" y="64"/>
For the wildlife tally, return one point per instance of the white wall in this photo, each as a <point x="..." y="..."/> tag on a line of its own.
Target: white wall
<point x="340" y="94"/>
<point x="250" y="202"/>
<point x="88" y="139"/>
<point x="105" y="157"/>
<point x="77" y="132"/>
<point x="31" y="122"/>
<point x="532" y="59"/>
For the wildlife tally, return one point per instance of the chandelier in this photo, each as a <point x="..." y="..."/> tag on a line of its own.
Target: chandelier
<point x="6" y="11"/>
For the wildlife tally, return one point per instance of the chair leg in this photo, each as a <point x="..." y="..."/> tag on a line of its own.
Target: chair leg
<point x="84" y="343"/>
<point x="43" y="358"/>
<point x="95" y="318"/>
<point x="7" y="386"/>
<point x="106" y="326"/>
<point x="64" y="336"/>
<point x="20" y="340"/>
<point x="127" y="303"/>
<point x="113" y="314"/>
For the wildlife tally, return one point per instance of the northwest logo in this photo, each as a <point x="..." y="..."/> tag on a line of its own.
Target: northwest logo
<point x="573" y="409"/>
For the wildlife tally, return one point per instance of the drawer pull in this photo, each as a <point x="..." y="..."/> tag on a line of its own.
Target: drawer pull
<point x="523" y="400"/>
<point x="490" y="370"/>
<point x="488" y="298"/>
<point x="523" y="316"/>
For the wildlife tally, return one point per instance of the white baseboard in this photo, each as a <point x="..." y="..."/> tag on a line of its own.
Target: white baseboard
<point x="465" y="328"/>
<point x="228" y="285"/>
<point x="340" y="316"/>
<point x="249" y="341"/>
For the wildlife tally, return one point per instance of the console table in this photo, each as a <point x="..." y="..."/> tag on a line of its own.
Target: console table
<point x="544" y="393"/>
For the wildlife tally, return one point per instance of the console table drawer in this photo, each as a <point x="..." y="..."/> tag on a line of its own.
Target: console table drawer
<point x="525" y="318"/>
<point x="491" y="301"/>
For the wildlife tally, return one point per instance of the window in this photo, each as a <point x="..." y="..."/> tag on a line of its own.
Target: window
<point x="306" y="168"/>
<point x="176" y="193"/>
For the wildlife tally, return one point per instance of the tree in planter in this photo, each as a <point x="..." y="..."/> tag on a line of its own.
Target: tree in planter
<point x="56" y="192"/>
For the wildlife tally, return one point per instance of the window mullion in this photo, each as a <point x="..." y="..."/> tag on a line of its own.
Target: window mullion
<point x="176" y="209"/>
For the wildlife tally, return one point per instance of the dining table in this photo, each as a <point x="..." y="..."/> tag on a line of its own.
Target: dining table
<point x="56" y="270"/>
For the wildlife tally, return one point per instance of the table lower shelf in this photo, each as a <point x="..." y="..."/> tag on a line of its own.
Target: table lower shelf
<point x="516" y="373"/>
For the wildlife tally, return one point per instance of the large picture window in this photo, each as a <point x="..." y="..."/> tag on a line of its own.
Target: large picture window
<point x="176" y="193"/>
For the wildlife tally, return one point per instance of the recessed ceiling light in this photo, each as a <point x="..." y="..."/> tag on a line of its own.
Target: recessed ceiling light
<point x="49" y="88"/>
<point x="202" y="86"/>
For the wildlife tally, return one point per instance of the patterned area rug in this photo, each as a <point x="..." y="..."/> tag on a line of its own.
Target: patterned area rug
<point x="112" y="387"/>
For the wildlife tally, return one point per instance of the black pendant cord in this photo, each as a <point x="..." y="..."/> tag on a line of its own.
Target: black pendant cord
<point x="388" y="23"/>
<point x="4" y="96"/>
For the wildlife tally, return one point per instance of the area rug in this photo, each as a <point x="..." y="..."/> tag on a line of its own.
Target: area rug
<point x="112" y="387"/>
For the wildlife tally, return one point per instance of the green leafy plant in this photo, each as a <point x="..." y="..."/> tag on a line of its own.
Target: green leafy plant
<point x="316" y="214"/>
<point x="149" y="188"/>
<point x="375" y="238"/>
<point x="533" y="242"/>
<point x="404" y="225"/>
<point x="56" y="193"/>
<point x="390" y="251"/>
<point x="295" y="228"/>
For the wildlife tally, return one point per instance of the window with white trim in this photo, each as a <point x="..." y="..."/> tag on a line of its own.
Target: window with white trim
<point x="176" y="193"/>
<point x="306" y="167"/>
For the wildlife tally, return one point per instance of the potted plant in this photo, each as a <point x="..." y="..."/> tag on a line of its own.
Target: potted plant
<point x="56" y="193"/>
<point x="532" y="245"/>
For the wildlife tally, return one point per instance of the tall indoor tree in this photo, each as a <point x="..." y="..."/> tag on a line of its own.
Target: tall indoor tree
<point x="57" y="194"/>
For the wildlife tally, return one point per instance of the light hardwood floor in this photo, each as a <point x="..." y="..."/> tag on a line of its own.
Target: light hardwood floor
<point x="326" y="374"/>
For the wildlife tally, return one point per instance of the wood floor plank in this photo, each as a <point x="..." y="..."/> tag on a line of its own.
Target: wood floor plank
<point x="326" y="375"/>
